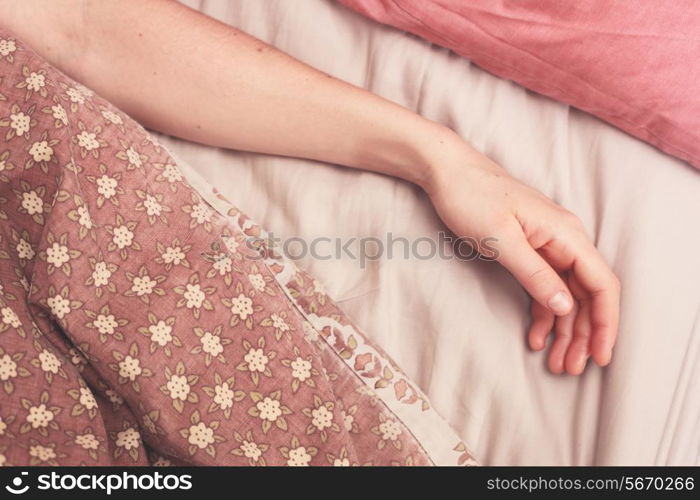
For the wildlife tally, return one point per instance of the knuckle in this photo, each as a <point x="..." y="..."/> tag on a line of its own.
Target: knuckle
<point x="540" y="274"/>
<point x="563" y="334"/>
<point x="503" y="226"/>
<point x="615" y="283"/>
<point x="571" y="219"/>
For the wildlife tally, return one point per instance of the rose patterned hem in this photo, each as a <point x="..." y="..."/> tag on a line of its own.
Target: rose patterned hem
<point x="144" y="320"/>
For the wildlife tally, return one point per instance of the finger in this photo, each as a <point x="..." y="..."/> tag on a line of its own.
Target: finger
<point x="563" y="331"/>
<point x="603" y="288"/>
<point x="580" y="348"/>
<point x="534" y="273"/>
<point x="542" y="323"/>
<point x="573" y="250"/>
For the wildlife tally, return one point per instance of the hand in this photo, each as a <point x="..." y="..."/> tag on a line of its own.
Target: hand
<point x="544" y="246"/>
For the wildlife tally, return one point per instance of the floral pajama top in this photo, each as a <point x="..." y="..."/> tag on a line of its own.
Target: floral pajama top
<point x="139" y="325"/>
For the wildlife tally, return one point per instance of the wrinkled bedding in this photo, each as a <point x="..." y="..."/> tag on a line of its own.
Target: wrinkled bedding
<point x="458" y="328"/>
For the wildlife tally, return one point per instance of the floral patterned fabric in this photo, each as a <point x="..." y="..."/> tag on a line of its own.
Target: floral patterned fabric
<point x="144" y="320"/>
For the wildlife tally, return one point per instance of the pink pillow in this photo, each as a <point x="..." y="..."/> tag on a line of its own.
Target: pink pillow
<point x="634" y="64"/>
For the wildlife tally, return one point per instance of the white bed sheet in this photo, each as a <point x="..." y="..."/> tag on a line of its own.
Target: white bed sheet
<point x="459" y="328"/>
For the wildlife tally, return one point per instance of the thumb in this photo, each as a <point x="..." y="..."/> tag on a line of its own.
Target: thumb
<point x="541" y="281"/>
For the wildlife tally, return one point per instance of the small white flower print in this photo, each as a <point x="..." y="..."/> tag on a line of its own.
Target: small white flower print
<point x="390" y="430"/>
<point x="278" y="323"/>
<point x="143" y="285"/>
<point x="58" y="112"/>
<point x="257" y="281"/>
<point x="87" y="398"/>
<point x="321" y="415"/>
<point x="107" y="186"/>
<point x="49" y="362"/>
<point x="122" y="237"/>
<point x="194" y="295"/>
<point x="128" y="439"/>
<point x="256" y="359"/>
<point x="41" y="151"/>
<point x="134" y="157"/>
<point x="251" y="450"/>
<point x="348" y="420"/>
<point x="89" y="142"/>
<point x="223" y="395"/>
<point x="75" y="96"/>
<point x="59" y="305"/>
<point x="76" y="357"/>
<point x="7" y="47"/>
<point x="172" y="173"/>
<point x="201" y="213"/>
<point x="298" y="457"/>
<point x="161" y="333"/>
<point x="40" y="416"/>
<point x="35" y="81"/>
<point x="87" y="441"/>
<point x="84" y="90"/>
<point x="112" y="117"/>
<point x="20" y="123"/>
<point x="162" y="462"/>
<point x="153" y="208"/>
<point x="42" y="453"/>
<point x="101" y="274"/>
<point x="232" y="245"/>
<point x="4" y="164"/>
<point x="211" y="344"/>
<point x="173" y="255"/>
<point x="32" y="202"/>
<point x="301" y="369"/>
<point x="269" y="409"/>
<point x="8" y="368"/>
<point x="114" y="397"/>
<point x="57" y="254"/>
<point x="178" y="387"/>
<point x="242" y="306"/>
<point x="9" y="317"/>
<point x="84" y="218"/>
<point x="106" y="324"/>
<point x="130" y="368"/>
<point x="223" y="264"/>
<point x="322" y="418"/>
<point x="200" y="435"/>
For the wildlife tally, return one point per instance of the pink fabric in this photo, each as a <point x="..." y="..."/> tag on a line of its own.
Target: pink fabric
<point x="139" y="325"/>
<point x="633" y="64"/>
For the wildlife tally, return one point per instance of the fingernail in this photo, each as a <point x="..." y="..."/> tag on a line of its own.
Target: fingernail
<point x="582" y="364"/>
<point x="607" y="362"/>
<point x="560" y="303"/>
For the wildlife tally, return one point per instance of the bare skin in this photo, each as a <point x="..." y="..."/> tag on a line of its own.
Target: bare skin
<point x="182" y="73"/>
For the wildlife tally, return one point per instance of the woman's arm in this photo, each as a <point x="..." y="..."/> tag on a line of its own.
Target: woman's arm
<point x="186" y="74"/>
<point x="180" y="72"/>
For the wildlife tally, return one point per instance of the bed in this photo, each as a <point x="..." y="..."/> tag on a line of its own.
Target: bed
<point x="458" y="328"/>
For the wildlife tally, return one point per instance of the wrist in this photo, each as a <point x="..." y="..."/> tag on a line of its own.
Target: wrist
<point x="441" y="155"/>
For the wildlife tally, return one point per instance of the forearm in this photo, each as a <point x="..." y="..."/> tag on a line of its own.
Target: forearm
<point x="185" y="74"/>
